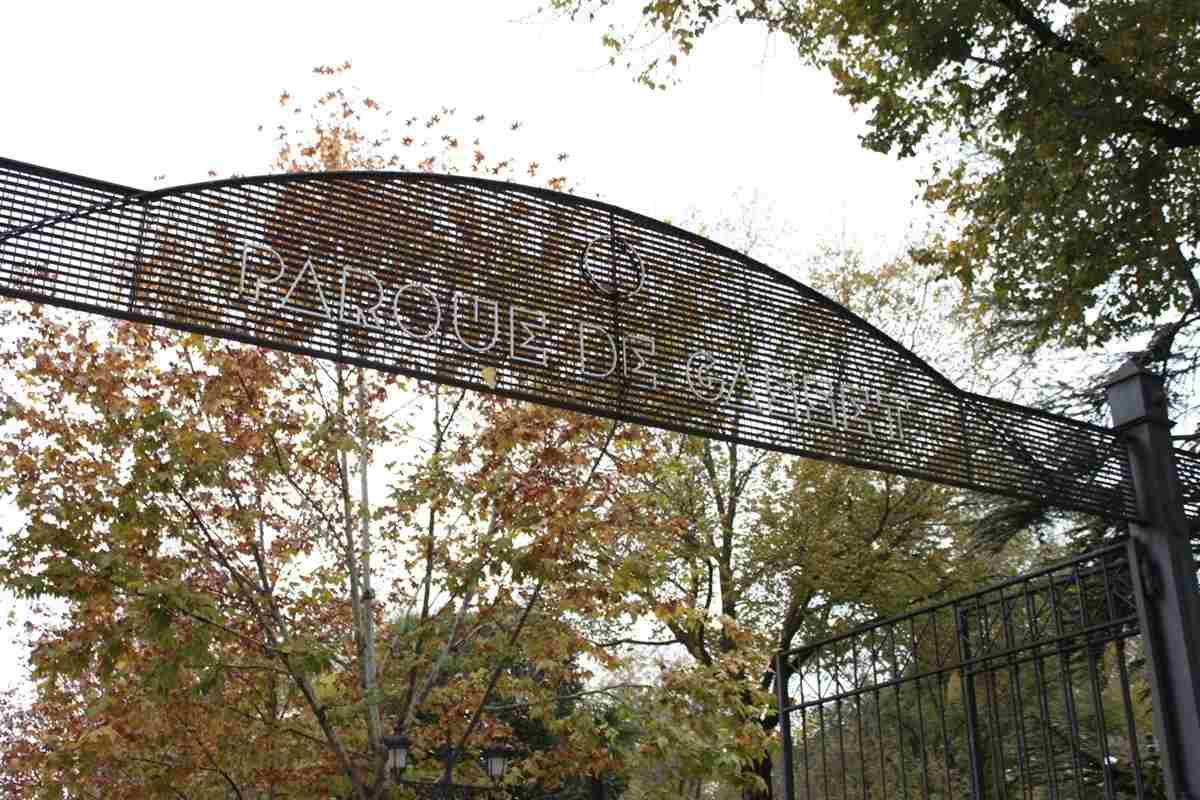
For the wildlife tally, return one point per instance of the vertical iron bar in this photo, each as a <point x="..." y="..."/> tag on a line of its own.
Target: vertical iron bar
<point x="897" y="677"/>
<point x="1123" y="673"/>
<point x="858" y="721"/>
<point x="1064" y="669"/>
<point x="1135" y="755"/>
<point x="877" y="698"/>
<point x="824" y="749"/>
<point x="941" y="704"/>
<point x="1119" y="634"/>
<point x="1094" y="679"/>
<point x="991" y="693"/>
<point x="967" y="683"/>
<point x="1017" y="701"/>
<point x="782" y="675"/>
<point x="1039" y="675"/>
<point x="912" y="632"/>
<point x="841" y="724"/>
<point x="804" y="742"/>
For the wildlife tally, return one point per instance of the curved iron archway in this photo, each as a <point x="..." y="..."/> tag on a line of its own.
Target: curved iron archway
<point x="541" y="296"/>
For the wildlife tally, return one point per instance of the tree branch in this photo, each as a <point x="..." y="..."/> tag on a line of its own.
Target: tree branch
<point x="640" y="642"/>
<point x="1086" y="53"/>
<point x="572" y="696"/>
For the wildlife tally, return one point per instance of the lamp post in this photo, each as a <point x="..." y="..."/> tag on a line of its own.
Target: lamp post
<point x="495" y="762"/>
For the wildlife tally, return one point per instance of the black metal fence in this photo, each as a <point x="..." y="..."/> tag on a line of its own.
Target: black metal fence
<point x="1031" y="688"/>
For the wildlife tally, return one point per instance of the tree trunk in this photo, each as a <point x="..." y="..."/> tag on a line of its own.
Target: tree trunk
<point x="763" y="769"/>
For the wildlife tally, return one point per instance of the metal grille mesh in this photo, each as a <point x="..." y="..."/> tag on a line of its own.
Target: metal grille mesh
<point x="540" y="296"/>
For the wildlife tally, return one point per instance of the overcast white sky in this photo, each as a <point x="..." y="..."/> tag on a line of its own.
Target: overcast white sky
<point x="128" y="91"/>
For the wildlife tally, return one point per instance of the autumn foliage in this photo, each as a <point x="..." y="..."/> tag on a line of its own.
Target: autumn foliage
<point x="255" y="565"/>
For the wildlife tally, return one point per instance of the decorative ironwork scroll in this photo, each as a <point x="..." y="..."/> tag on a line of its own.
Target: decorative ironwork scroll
<point x="541" y="296"/>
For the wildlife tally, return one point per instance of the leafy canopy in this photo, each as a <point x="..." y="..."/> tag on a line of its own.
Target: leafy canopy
<point x="1064" y="136"/>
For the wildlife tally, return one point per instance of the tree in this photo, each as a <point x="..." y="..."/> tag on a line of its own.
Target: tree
<point x="713" y="557"/>
<point x="209" y="519"/>
<point x="734" y="554"/>
<point x="1064" y="140"/>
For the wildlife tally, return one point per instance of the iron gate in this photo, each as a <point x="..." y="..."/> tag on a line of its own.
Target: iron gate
<point x="1031" y="688"/>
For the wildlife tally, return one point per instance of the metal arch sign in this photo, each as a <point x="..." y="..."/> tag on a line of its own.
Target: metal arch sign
<point x="541" y="296"/>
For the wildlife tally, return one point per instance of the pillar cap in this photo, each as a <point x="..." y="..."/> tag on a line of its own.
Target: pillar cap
<point x="1126" y="371"/>
<point x="1135" y="395"/>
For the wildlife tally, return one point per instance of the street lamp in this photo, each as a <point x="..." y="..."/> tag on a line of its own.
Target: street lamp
<point x="495" y="762"/>
<point x="397" y="762"/>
